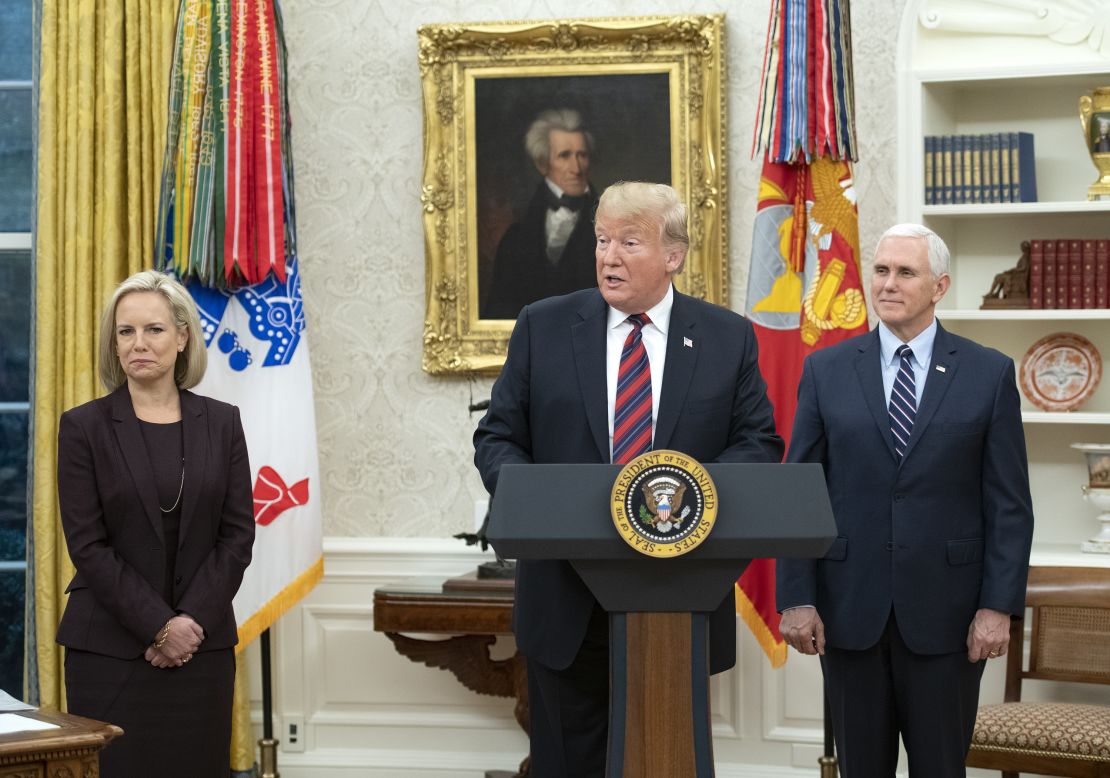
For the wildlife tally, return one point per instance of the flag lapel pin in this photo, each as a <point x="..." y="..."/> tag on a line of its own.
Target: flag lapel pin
<point x="687" y="343"/>
<point x="941" y="369"/>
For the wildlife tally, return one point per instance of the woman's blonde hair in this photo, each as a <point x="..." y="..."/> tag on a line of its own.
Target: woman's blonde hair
<point x="191" y="363"/>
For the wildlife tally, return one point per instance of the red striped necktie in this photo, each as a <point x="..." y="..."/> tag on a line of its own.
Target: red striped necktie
<point x="632" y="410"/>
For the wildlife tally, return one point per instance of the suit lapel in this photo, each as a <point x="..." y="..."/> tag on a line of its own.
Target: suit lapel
<point x="942" y="369"/>
<point x="589" y="338"/>
<point x="870" y="373"/>
<point x="131" y="443"/>
<point x="677" y="371"/>
<point x="194" y="422"/>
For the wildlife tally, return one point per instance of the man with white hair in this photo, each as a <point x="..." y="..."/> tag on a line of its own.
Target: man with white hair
<point x="549" y="251"/>
<point x="920" y="435"/>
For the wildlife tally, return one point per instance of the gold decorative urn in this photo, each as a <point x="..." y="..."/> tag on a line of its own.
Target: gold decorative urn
<point x="1094" y="115"/>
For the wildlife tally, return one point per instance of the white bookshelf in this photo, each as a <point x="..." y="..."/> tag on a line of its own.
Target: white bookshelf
<point x="957" y="75"/>
<point x="1072" y="417"/>
<point x="1021" y="314"/>
<point x="980" y="210"/>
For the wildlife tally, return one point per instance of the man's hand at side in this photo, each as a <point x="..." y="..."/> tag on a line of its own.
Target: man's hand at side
<point x="803" y="629"/>
<point x="988" y="636"/>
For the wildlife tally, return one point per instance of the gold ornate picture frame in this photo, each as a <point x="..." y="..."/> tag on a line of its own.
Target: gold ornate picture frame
<point x="649" y="89"/>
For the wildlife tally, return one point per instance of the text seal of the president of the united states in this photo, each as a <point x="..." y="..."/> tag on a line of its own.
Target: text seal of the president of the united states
<point x="664" y="503"/>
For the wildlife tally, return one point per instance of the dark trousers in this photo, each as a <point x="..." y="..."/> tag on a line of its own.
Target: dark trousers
<point x="569" y="709"/>
<point x="887" y="690"/>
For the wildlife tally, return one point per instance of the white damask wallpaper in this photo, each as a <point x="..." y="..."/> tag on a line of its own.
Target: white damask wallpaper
<point x="395" y="452"/>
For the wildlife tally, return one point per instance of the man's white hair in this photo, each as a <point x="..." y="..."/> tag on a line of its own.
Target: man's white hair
<point x="939" y="256"/>
<point x="537" y="141"/>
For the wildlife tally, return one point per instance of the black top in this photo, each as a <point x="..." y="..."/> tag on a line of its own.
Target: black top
<point x="164" y="447"/>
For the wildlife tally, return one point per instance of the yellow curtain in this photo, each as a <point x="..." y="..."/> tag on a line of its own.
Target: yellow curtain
<point x="103" y="75"/>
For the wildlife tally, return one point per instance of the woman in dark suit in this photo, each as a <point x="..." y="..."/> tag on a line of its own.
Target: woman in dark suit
<point x="155" y="494"/>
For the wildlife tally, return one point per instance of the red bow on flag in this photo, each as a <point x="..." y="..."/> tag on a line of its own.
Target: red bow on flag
<point x="272" y="497"/>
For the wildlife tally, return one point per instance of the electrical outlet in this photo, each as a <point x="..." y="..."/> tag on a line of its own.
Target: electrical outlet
<point x="294" y="734"/>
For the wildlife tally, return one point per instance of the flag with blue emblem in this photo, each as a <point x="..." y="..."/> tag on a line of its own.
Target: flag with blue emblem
<point x="227" y="229"/>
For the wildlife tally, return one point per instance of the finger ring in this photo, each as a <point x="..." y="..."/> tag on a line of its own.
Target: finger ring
<point x="993" y="653"/>
<point x="186" y="659"/>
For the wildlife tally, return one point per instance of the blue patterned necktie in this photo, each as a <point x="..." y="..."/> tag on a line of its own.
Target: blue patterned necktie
<point x="903" y="401"/>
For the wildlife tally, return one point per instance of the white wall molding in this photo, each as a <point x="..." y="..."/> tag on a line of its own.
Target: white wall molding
<point x="362" y="709"/>
<point x="781" y="692"/>
<point x="1071" y="23"/>
<point x="351" y="560"/>
<point x="391" y="764"/>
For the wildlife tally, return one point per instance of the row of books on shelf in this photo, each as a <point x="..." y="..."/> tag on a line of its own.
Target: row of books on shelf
<point x="1069" y="273"/>
<point x="995" y="167"/>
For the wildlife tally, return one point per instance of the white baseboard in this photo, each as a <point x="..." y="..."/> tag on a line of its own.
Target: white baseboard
<point x="362" y="710"/>
<point x="379" y="764"/>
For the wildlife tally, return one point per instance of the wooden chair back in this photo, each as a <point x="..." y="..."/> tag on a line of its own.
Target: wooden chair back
<point x="1070" y="628"/>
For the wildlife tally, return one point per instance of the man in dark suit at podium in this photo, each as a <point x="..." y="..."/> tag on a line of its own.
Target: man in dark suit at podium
<point x="920" y="435"/>
<point x="604" y="375"/>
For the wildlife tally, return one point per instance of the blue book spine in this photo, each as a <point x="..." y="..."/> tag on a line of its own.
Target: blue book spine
<point x="977" y="169"/>
<point x="996" y="175"/>
<point x="957" y="169"/>
<point x="965" y="167"/>
<point x="930" y="166"/>
<point x="1005" y="140"/>
<point x="946" y="166"/>
<point x="1023" y="179"/>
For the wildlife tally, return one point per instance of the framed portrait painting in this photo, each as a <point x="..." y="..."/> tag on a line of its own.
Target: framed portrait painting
<point x="525" y="125"/>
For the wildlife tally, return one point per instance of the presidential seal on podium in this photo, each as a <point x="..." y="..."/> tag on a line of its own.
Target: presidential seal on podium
<point x="664" y="503"/>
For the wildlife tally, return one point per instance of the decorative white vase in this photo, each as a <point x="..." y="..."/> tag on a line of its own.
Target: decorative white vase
<point x="1097" y="492"/>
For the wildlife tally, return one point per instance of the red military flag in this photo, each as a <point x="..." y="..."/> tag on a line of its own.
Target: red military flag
<point x="804" y="283"/>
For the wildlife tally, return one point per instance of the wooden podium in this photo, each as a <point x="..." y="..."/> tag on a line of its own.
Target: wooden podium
<point x="659" y="715"/>
<point x="73" y="749"/>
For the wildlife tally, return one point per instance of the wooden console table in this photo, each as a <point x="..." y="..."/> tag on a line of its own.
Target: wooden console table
<point x="70" y="751"/>
<point x="475" y="612"/>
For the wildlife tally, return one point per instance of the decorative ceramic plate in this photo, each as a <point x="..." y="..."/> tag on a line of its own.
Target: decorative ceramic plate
<point x="1060" y="371"/>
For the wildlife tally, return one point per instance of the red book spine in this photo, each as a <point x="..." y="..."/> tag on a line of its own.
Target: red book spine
<point x="1050" y="274"/>
<point x="1075" y="274"/>
<point x="1061" y="274"/>
<point x="1036" y="273"/>
<point x="1102" y="273"/>
<point x="1088" y="293"/>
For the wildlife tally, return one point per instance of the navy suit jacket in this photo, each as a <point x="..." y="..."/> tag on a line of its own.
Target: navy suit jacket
<point x="550" y="405"/>
<point x="522" y="273"/>
<point x="942" y="533"/>
<point x="113" y="526"/>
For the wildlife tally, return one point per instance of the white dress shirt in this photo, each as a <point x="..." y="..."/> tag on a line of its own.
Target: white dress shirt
<point x="655" y="343"/>
<point x="558" y="226"/>
<point x="922" y="347"/>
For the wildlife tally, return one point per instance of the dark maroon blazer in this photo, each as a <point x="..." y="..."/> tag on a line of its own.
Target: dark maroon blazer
<point x="113" y="526"/>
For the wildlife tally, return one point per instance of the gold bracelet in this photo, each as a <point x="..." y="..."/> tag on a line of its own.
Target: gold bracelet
<point x="163" y="636"/>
